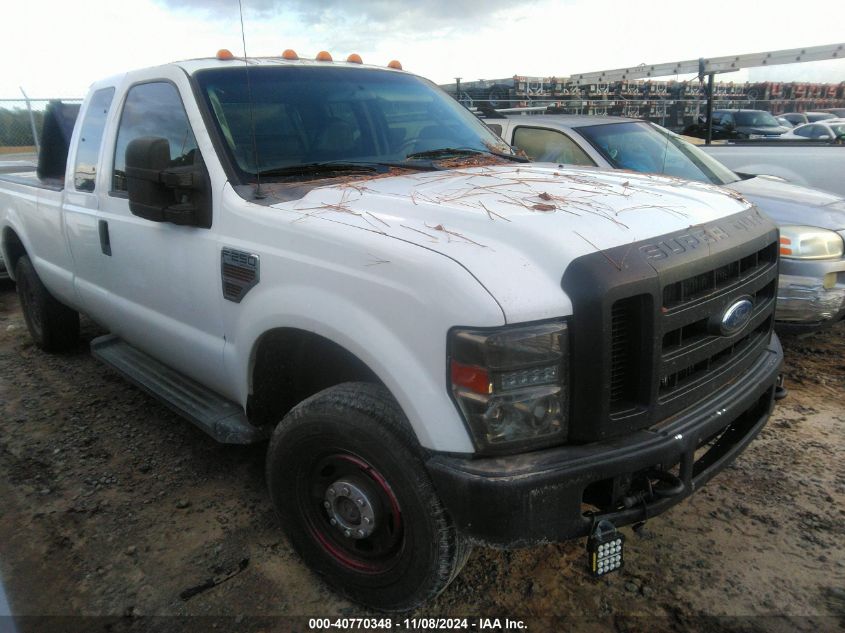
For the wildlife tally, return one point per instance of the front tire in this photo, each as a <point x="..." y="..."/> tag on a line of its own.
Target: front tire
<point x="52" y="325"/>
<point x="354" y="498"/>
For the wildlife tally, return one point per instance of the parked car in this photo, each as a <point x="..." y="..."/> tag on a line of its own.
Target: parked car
<point x="794" y="118"/>
<point x="837" y="112"/>
<point x="447" y="346"/>
<point x="739" y="124"/>
<point x="800" y="118"/>
<point x="811" y="288"/>
<point x="827" y="130"/>
<point x="813" y="117"/>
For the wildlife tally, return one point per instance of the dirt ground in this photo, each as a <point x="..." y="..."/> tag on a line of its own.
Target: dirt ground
<point x="111" y="506"/>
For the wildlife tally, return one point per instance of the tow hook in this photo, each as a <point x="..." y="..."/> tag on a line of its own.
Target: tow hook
<point x="668" y="485"/>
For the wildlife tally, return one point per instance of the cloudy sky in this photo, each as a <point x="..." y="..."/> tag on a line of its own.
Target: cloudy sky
<point x="58" y="50"/>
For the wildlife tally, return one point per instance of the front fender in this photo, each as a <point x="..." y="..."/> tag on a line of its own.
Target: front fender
<point x="392" y="325"/>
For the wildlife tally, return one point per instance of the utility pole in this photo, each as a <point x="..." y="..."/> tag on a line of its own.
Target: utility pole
<point x="709" y="109"/>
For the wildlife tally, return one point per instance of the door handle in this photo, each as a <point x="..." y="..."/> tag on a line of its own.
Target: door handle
<point x="105" y="242"/>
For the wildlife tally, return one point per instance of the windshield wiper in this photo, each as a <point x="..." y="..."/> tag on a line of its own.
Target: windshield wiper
<point x="445" y="152"/>
<point x="342" y="167"/>
<point x="322" y="168"/>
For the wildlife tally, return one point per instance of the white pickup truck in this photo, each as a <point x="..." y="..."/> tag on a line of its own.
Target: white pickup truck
<point x="447" y="346"/>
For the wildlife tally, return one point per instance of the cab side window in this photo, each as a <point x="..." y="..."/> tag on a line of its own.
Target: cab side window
<point x="153" y="110"/>
<point x="550" y="146"/>
<point x="90" y="139"/>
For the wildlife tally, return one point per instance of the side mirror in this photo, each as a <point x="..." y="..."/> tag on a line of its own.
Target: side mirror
<point x="163" y="192"/>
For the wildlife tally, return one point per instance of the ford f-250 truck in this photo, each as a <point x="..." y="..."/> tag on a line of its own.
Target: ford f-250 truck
<point x="446" y="345"/>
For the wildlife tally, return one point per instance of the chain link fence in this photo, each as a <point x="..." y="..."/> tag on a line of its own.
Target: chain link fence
<point x="21" y="121"/>
<point x="675" y="114"/>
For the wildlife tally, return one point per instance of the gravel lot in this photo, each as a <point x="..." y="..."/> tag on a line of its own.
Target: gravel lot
<point x="112" y="506"/>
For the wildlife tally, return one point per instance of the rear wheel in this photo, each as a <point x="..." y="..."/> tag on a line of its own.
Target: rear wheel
<point x="355" y="500"/>
<point x="52" y="325"/>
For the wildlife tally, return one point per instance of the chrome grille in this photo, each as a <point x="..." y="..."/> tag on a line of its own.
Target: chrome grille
<point x="691" y="353"/>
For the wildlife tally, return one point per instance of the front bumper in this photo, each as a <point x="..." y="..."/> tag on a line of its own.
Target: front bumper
<point x="811" y="294"/>
<point x="522" y="500"/>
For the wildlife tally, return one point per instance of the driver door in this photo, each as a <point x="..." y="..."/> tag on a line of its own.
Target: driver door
<point x="163" y="279"/>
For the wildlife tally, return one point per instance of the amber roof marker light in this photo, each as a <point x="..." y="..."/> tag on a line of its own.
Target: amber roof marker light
<point x="323" y="56"/>
<point x="355" y="58"/>
<point x="290" y="54"/>
<point x="225" y="54"/>
<point x="395" y="65"/>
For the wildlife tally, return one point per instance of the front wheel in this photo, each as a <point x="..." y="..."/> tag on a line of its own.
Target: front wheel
<point x="356" y="502"/>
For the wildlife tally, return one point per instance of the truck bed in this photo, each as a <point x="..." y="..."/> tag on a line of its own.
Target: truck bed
<point x="25" y="175"/>
<point x="804" y="163"/>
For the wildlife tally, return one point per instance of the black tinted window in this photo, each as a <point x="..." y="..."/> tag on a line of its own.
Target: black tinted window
<point x="153" y="110"/>
<point x="90" y="138"/>
<point x="756" y="119"/>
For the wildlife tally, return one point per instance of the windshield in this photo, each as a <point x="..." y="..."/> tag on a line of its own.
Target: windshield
<point x="648" y="148"/>
<point x="304" y="115"/>
<point x="756" y="119"/>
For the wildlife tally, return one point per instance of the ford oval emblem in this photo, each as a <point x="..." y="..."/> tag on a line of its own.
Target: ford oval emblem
<point x="736" y="316"/>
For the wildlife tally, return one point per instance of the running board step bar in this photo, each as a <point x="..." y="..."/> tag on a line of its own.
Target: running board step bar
<point x="222" y="419"/>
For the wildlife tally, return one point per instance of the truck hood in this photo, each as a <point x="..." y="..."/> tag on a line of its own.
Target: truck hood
<point x="786" y="203"/>
<point x="516" y="228"/>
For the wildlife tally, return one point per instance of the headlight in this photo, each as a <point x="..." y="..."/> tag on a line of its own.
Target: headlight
<point x="511" y="384"/>
<point x="809" y="242"/>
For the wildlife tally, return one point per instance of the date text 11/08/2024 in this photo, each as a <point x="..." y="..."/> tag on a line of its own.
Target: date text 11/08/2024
<point x="416" y="624"/>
